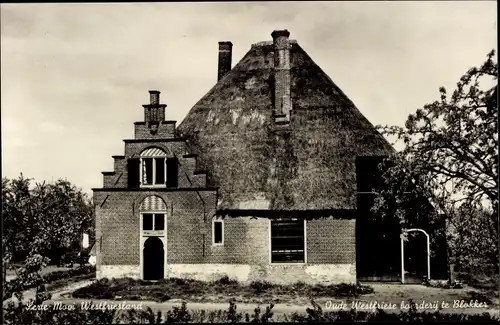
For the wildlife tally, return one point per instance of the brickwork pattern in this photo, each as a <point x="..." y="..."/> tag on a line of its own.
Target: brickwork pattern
<point x="246" y="241"/>
<point x="118" y="233"/>
<point x="331" y="241"/>
<point x="187" y="166"/>
<point x="164" y="131"/>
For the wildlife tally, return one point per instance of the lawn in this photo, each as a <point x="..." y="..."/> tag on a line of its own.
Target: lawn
<point x="12" y="271"/>
<point x="221" y="290"/>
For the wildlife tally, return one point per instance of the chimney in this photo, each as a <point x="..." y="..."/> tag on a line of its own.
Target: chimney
<point x="154" y="112"/>
<point x="154" y="97"/>
<point x="282" y="95"/>
<point x="225" y="55"/>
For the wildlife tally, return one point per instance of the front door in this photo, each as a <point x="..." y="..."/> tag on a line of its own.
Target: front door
<point x="154" y="257"/>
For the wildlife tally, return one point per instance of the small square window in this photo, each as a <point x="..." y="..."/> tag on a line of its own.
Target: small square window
<point x="147" y="221"/>
<point x="218" y="232"/>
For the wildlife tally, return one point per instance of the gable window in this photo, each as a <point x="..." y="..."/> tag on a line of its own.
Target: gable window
<point x="288" y="241"/>
<point x="153" y="169"/>
<point x="218" y="232"/>
<point x="154" y="221"/>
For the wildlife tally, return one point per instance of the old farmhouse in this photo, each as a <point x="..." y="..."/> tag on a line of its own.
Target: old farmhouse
<point x="270" y="176"/>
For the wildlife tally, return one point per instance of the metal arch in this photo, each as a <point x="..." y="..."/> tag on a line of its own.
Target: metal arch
<point x="402" y="253"/>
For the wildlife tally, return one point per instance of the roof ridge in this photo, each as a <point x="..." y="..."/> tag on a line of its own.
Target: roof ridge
<point x="266" y="43"/>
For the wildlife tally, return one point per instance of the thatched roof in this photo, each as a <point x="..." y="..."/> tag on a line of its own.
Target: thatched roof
<point x="309" y="166"/>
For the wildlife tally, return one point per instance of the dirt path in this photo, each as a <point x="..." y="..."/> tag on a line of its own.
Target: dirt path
<point x="56" y="293"/>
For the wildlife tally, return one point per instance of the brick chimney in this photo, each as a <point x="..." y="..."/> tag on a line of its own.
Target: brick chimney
<point x="154" y="112"/>
<point x="225" y="55"/>
<point x="282" y="94"/>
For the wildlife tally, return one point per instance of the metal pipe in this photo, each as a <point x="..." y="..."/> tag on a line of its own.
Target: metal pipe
<point x="402" y="260"/>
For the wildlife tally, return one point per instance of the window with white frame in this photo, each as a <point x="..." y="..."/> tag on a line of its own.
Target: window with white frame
<point x="153" y="221"/>
<point x="153" y="167"/>
<point x="217" y="231"/>
<point x="287" y="241"/>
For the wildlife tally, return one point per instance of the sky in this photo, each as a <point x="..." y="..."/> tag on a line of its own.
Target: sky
<point x="74" y="77"/>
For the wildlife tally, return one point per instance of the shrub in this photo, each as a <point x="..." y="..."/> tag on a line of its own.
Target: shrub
<point x="179" y="314"/>
<point x="225" y="280"/>
<point x="443" y="284"/>
<point x="20" y="315"/>
<point x="260" y="286"/>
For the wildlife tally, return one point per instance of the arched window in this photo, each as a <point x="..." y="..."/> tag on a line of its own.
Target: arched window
<point x="153" y="210"/>
<point x="153" y="168"/>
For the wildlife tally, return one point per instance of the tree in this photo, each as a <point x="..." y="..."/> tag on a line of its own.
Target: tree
<point x="63" y="214"/>
<point x="16" y="215"/>
<point x="41" y="222"/>
<point x="450" y="159"/>
<point x="42" y="218"/>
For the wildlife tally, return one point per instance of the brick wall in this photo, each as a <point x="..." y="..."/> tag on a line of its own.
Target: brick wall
<point x="118" y="233"/>
<point x="331" y="241"/>
<point x="246" y="241"/>
<point x="133" y="149"/>
<point x="166" y="130"/>
<point x="189" y="232"/>
<point x="185" y="228"/>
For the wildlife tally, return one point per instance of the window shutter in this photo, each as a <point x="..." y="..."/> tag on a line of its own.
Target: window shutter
<point x="133" y="173"/>
<point x="172" y="172"/>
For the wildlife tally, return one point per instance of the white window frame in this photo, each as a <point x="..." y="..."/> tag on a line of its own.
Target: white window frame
<point x="214" y="220"/>
<point x="271" y="245"/>
<point x="141" y="168"/>
<point x="153" y="213"/>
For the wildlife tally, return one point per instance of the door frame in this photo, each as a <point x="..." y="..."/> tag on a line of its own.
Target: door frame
<point x="143" y="238"/>
<point x="403" y="236"/>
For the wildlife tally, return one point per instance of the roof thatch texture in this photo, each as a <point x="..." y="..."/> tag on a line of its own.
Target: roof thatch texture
<point x="308" y="166"/>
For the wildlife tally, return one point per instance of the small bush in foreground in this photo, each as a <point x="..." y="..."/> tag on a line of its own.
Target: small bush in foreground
<point x="21" y="315"/>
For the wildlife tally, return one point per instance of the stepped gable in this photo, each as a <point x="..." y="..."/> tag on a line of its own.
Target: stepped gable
<point x="262" y="158"/>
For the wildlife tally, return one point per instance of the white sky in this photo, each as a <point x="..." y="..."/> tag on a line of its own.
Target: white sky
<point x="74" y="76"/>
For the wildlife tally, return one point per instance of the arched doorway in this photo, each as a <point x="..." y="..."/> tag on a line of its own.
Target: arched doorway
<point x="415" y="255"/>
<point x="154" y="257"/>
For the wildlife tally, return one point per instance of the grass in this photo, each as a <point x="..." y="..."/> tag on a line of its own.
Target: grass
<point x="53" y="280"/>
<point x="222" y="289"/>
<point x="56" y="284"/>
<point x="14" y="268"/>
